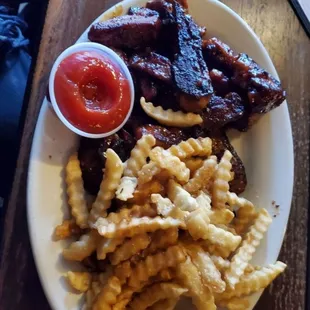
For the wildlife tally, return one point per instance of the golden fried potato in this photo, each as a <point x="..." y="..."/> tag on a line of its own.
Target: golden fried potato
<point x="254" y="281"/>
<point x="108" y="294"/>
<point x="192" y="147"/>
<point x="76" y="192"/>
<point x="189" y="277"/>
<point x="198" y="225"/>
<point x="167" y="209"/>
<point x="210" y="275"/>
<point x="139" y="155"/>
<point x="245" y="215"/>
<point x="112" y="176"/>
<point x="80" y="281"/>
<point x="169" y="117"/>
<point x="156" y="293"/>
<point x="221" y="178"/>
<point x="245" y="253"/>
<point x="129" y="248"/>
<point x="180" y="197"/>
<point x="162" y="239"/>
<point x="83" y="248"/>
<point x="202" y="177"/>
<point x="165" y="160"/>
<point x="67" y="229"/>
<point x="153" y="264"/>
<point x="126" y="188"/>
<point x="134" y="227"/>
<point x="106" y="246"/>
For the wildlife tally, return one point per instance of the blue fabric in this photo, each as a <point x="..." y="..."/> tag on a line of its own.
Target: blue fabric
<point x="11" y="32"/>
<point x="14" y="69"/>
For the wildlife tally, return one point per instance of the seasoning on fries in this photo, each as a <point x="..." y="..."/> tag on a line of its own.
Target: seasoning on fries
<point x="179" y="238"/>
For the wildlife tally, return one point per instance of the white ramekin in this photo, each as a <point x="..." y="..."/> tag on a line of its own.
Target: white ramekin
<point x="89" y="46"/>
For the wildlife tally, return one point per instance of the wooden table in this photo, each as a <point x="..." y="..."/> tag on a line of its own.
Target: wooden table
<point x="279" y="29"/>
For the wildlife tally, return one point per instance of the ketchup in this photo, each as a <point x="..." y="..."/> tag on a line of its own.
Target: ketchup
<point x="92" y="92"/>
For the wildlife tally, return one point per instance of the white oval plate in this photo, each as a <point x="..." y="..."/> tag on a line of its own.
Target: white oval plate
<point x="266" y="150"/>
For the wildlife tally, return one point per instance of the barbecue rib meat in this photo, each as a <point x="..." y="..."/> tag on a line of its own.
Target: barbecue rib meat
<point x="148" y="88"/>
<point x="222" y="85"/>
<point x="162" y="7"/>
<point x="263" y="91"/>
<point x="221" y="111"/>
<point x="128" y="31"/>
<point x="92" y="160"/>
<point x="189" y="69"/>
<point x="220" y="143"/>
<point x="164" y="137"/>
<point x="141" y="11"/>
<point x="218" y="55"/>
<point x="154" y="65"/>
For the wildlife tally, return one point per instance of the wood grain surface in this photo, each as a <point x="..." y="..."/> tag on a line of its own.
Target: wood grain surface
<point x="280" y="31"/>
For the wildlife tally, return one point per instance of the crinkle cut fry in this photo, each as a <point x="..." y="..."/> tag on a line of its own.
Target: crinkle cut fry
<point x="80" y="281"/>
<point x="210" y="275"/>
<point x="165" y="160"/>
<point x="123" y="271"/>
<point x="147" y="172"/>
<point x="169" y="117"/>
<point x="108" y="294"/>
<point x="198" y="225"/>
<point x="161" y="239"/>
<point x="153" y="264"/>
<point x="180" y="197"/>
<point x="106" y="246"/>
<point x="144" y="191"/>
<point x="166" y="208"/>
<point x="204" y="200"/>
<point x="155" y="293"/>
<point x="245" y="215"/>
<point x="92" y="294"/>
<point x="221" y="216"/>
<point x="203" y="176"/>
<point x="188" y="276"/>
<point x="183" y="150"/>
<point x="128" y="213"/>
<point x="245" y="253"/>
<point x="166" y="304"/>
<point x="129" y="248"/>
<point x="82" y="248"/>
<point x="222" y="177"/>
<point x="215" y="249"/>
<point x="193" y="164"/>
<point x="126" y="188"/>
<point x="76" y="192"/>
<point x="134" y="227"/>
<point x="125" y="296"/>
<point x="192" y="147"/>
<point x="112" y="175"/>
<point x="139" y="155"/>
<point x="66" y="229"/>
<point x="221" y="263"/>
<point x="254" y="281"/>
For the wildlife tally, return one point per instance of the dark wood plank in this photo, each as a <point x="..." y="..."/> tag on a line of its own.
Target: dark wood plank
<point x="279" y="29"/>
<point x="289" y="47"/>
<point x="19" y="284"/>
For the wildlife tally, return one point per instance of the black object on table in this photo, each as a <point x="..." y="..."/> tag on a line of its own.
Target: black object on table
<point x="301" y="15"/>
<point x="19" y="41"/>
<point x="14" y="68"/>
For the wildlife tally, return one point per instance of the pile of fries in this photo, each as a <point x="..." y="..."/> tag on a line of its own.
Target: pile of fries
<point x="178" y="231"/>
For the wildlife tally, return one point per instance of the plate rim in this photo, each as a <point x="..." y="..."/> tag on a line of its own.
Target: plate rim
<point x="43" y="111"/>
